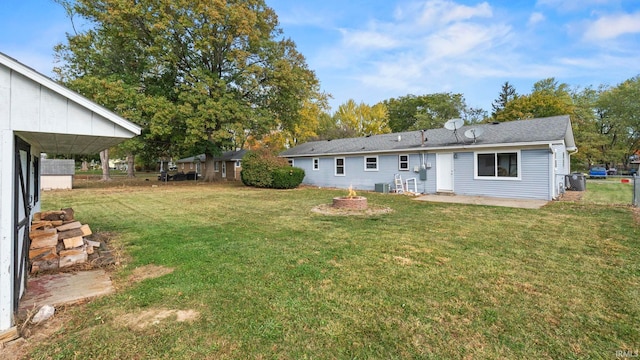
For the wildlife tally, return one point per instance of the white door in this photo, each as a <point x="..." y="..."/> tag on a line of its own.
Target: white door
<point x="444" y="172"/>
<point x="224" y="169"/>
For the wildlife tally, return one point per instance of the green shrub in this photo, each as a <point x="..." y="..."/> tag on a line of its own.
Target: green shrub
<point x="258" y="167"/>
<point x="287" y="177"/>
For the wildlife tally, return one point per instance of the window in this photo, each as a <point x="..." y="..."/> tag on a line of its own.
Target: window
<point x="36" y="178"/>
<point x="339" y="167"/>
<point x="370" y="163"/>
<point x="238" y="163"/>
<point x="316" y="164"/>
<point x="290" y="162"/>
<point x="403" y="162"/>
<point x="500" y="165"/>
<point x="216" y="166"/>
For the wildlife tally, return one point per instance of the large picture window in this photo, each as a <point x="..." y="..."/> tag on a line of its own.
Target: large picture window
<point x="370" y="163"/>
<point x="498" y="165"/>
<point x="339" y="167"/>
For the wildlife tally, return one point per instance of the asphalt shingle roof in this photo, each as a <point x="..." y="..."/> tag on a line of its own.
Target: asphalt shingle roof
<point x="548" y="129"/>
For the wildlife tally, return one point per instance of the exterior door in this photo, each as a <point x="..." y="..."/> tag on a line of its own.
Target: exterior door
<point x="224" y="169"/>
<point x="444" y="172"/>
<point x="22" y="213"/>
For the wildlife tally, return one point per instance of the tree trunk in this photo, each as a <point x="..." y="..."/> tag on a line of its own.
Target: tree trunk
<point x="104" y="159"/>
<point x="209" y="173"/>
<point x="131" y="165"/>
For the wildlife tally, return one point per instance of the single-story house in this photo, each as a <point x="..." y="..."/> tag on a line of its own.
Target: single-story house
<point x="38" y="115"/>
<point x="227" y="166"/>
<point x="57" y="174"/>
<point x="525" y="159"/>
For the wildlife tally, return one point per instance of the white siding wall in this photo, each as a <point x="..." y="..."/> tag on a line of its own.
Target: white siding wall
<point x="56" y="182"/>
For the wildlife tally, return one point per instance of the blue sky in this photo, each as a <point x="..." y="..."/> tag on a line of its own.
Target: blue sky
<point x="372" y="50"/>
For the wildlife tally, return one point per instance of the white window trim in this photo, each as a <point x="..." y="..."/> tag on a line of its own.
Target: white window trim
<point x="314" y="162"/>
<point x="365" y="162"/>
<point x="216" y="166"/>
<point x="400" y="162"/>
<point x="291" y="162"/>
<point x="495" y="177"/>
<point x="335" y="166"/>
<point x="237" y="164"/>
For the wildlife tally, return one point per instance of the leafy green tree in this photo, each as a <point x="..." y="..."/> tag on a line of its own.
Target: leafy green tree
<point x="548" y="98"/>
<point x="430" y="111"/>
<point x="217" y="72"/>
<point x="362" y="119"/>
<point x="584" y="122"/>
<point x="618" y="112"/>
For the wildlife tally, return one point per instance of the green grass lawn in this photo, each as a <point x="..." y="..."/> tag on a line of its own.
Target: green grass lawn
<point x="270" y="279"/>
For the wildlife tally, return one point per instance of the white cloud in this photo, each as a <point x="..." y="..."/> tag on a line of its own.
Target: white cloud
<point x="613" y="26"/>
<point x="367" y="40"/>
<point x="536" y="18"/>
<point x="441" y="12"/>
<point x="463" y="39"/>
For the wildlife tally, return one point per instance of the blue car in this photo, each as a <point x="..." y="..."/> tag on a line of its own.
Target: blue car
<point x="597" y="172"/>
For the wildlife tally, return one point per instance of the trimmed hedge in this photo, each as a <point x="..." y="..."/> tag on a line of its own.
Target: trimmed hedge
<point x="263" y="169"/>
<point x="287" y="178"/>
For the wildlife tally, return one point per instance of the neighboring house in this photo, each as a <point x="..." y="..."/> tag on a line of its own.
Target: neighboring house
<point x="57" y="174"/>
<point x="519" y="159"/>
<point x="227" y="166"/>
<point x="38" y="115"/>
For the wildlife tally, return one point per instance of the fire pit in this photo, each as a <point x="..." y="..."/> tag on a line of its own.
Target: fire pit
<point x="350" y="202"/>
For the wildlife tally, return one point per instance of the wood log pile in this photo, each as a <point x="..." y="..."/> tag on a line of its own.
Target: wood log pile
<point x="58" y="241"/>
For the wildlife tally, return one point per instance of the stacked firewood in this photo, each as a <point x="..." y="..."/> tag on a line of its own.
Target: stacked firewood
<point x="58" y="240"/>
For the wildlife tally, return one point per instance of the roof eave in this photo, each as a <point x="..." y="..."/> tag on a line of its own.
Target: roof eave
<point x="72" y="95"/>
<point x="435" y="148"/>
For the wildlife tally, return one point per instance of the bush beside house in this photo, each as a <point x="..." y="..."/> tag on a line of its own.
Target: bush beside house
<point x="263" y="169"/>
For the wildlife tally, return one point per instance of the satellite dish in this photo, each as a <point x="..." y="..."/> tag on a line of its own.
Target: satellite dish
<point x="453" y="124"/>
<point x="474" y="133"/>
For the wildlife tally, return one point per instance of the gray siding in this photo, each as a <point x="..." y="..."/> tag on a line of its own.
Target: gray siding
<point x="534" y="182"/>
<point x="356" y="176"/>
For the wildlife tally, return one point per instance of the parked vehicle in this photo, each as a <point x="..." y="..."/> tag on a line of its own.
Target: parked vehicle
<point x="612" y="171"/>
<point x="597" y="172"/>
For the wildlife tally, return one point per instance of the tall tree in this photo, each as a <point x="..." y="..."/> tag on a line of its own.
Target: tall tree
<point x="223" y="66"/>
<point x="429" y="111"/>
<point x="507" y="94"/>
<point x="363" y="119"/>
<point x="618" y="112"/>
<point x="548" y="98"/>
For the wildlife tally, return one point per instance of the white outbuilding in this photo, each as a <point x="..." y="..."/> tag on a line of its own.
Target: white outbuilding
<point x="38" y="115"/>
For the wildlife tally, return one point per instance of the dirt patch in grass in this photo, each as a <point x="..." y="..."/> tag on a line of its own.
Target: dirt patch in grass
<point x="149" y="317"/>
<point x="572" y="196"/>
<point x="328" y="209"/>
<point x="150" y="271"/>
